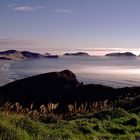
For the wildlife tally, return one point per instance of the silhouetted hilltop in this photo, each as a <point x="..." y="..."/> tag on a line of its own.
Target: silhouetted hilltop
<point x="17" y="55"/>
<point x="77" y="54"/>
<point x="60" y="87"/>
<point x="49" y="87"/>
<point x="120" y="54"/>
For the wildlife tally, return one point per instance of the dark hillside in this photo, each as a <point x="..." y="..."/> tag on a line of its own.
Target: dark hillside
<point x="63" y="88"/>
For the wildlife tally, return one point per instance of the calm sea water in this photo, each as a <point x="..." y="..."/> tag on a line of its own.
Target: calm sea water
<point x="111" y="71"/>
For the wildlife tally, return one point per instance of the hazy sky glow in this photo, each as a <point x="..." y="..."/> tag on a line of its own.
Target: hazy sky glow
<point x="70" y="25"/>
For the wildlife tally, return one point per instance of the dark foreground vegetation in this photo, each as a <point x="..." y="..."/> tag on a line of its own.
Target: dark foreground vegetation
<point x="55" y="106"/>
<point x="18" y="123"/>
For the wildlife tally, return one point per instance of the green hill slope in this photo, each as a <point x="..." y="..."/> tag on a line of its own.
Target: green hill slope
<point x="110" y="124"/>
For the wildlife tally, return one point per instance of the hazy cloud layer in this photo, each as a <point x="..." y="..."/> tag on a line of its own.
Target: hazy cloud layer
<point x="16" y="42"/>
<point x="110" y="49"/>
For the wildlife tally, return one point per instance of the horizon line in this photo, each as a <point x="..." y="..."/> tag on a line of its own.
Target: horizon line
<point x="91" y="52"/>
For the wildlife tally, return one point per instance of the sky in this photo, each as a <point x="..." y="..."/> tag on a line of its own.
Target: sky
<point x="70" y="25"/>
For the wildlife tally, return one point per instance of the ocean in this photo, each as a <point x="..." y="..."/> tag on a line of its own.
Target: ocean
<point x="110" y="71"/>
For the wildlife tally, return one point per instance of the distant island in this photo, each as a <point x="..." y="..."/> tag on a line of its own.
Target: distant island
<point x="121" y="54"/>
<point x="18" y="55"/>
<point x="77" y="54"/>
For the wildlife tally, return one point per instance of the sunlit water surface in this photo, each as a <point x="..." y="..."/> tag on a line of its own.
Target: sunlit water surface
<point x="111" y="71"/>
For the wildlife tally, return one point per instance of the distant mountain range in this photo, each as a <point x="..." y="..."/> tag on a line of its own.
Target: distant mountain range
<point x="17" y="55"/>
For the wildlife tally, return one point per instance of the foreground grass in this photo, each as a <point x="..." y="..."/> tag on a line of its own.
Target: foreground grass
<point x="111" y="124"/>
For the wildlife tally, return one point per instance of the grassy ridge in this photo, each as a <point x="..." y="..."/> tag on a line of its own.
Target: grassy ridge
<point x="110" y="124"/>
<point x="90" y="121"/>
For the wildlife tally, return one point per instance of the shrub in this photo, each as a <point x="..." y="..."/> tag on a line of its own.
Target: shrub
<point x="109" y="114"/>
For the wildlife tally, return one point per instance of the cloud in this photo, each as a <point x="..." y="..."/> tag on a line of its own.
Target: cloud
<point x="63" y="11"/>
<point x="16" y="42"/>
<point x="24" y="8"/>
<point x="109" y="49"/>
